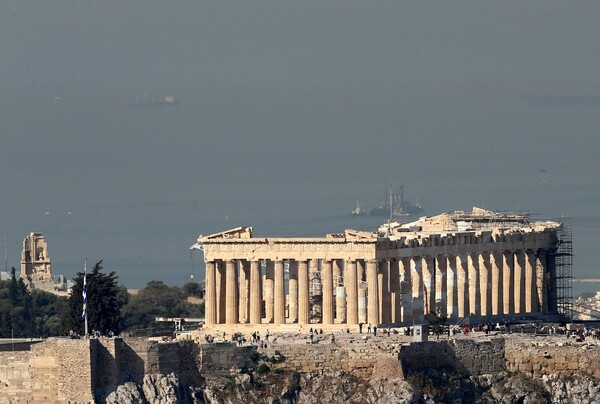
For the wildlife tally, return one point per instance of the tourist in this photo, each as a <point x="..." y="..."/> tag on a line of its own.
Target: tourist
<point x="267" y="335"/>
<point x="360" y="328"/>
<point x="375" y="330"/>
<point x="332" y="339"/>
<point x="369" y="328"/>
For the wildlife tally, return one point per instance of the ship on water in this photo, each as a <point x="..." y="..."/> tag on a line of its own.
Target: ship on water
<point x="395" y="205"/>
<point x="154" y="101"/>
<point x="358" y="211"/>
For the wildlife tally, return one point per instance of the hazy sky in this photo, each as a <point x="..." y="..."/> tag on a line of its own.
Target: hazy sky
<point x="288" y="112"/>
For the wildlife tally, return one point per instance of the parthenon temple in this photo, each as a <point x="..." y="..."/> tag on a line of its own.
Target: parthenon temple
<point x="457" y="264"/>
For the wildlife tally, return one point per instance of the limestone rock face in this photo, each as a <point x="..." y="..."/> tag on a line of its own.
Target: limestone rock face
<point x="127" y="393"/>
<point x="577" y="388"/>
<point x="162" y="389"/>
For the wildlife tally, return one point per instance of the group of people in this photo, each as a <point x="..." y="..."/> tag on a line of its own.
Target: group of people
<point x="369" y="327"/>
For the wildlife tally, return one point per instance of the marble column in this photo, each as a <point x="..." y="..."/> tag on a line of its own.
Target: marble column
<point x="210" y="316"/>
<point x="373" y="293"/>
<point x="485" y="287"/>
<point x="316" y="288"/>
<point x="474" y="290"/>
<point x="220" y="281"/>
<point x="351" y="292"/>
<point x="405" y="290"/>
<point x="531" y="302"/>
<point x="268" y="293"/>
<point x="293" y="291"/>
<point x="462" y="285"/>
<point x="428" y="284"/>
<point x="279" y="293"/>
<point x="541" y="283"/>
<point x="441" y="290"/>
<point x="327" y="281"/>
<point x="383" y="282"/>
<point x="303" y="293"/>
<point x="508" y="289"/>
<point x="231" y="283"/>
<point x="395" y="303"/>
<point x="496" y="274"/>
<point x="244" y="292"/>
<point x="340" y="292"/>
<point x="519" y="281"/>
<point x="416" y="273"/>
<point x="452" y="302"/>
<point x="255" y="292"/>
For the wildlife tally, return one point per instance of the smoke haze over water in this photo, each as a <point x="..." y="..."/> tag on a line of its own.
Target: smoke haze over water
<point x="287" y="113"/>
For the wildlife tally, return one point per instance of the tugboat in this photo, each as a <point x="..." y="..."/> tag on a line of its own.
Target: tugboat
<point x="358" y="211"/>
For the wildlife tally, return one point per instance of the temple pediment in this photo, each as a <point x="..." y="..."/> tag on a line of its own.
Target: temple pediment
<point x="238" y="232"/>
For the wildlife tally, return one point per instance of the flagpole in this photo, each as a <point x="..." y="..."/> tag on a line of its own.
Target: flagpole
<point x="85" y="317"/>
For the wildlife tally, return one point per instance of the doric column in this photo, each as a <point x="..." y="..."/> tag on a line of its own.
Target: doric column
<point x="441" y="291"/>
<point x="395" y="303"/>
<point x="316" y="288"/>
<point x="268" y="293"/>
<point x="531" y="302"/>
<point x="231" y="310"/>
<point x="416" y="273"/>
<point x="255" y="292"/>
<point x="496" y="268"/>
<point x="541" y="270"/>
<point x="340" y="292"/>
<point x="373" y="293"/>
<point x="405" y="290"/>
<point x="484" y="284"/>
<point x="279" y="293"/>
<point x="519" y="273"/>
<point x="293" y="291"/>
<point x="383" y="285"/>
<point x="474" y="291"/>
<point x="210" y="313"/>
<point x="220" y="281"/>
<point x="244" y="287"/>
<point x="303" y="293"/>
<point x="462" y="286"/>
<point x="327" y="281"/>
<point x="452" y="303"/>
<point x="351" y="292"/>
<point x="552" y="287"/>
<point x="428" y="284"/>
<point x="508" y="282"/>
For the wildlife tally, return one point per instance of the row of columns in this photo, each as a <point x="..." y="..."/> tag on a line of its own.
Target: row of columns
<point x="376" y="291"/>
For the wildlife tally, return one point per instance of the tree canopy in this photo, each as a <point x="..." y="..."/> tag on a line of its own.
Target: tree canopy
<point x="26" y="312"/>
<point x="104" y="302"/>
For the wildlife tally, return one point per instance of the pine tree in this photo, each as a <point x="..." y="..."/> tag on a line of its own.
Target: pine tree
<point x="103" y="305"/>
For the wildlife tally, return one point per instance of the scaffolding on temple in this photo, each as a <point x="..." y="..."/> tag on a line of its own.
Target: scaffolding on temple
<point x="563" y="263"/>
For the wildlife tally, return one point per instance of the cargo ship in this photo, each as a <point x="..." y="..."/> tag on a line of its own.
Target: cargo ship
<point x="395" y="205"/>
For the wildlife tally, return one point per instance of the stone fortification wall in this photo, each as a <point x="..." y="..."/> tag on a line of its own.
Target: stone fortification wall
<point x="221" y="358"/>
<point x="358" y="358"/>
<point x="61" y="371"/>
<point x="15" y="377"/>
<point x="470" y="356"/>
<point x="181" y="358"/>
<point x="65" y="370"/>
<point x="119" y="360"/>
<point x="538" y="359"/>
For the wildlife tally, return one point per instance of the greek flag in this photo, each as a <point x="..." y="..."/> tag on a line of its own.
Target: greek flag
<point x="84" y="295"/>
